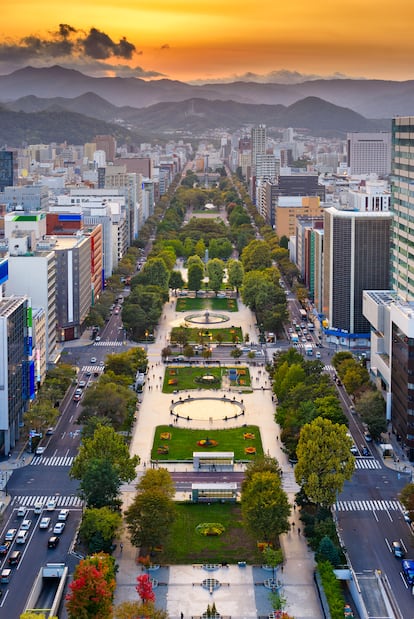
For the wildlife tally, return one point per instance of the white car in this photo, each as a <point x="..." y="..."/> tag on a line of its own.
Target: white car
<point x="50" y="505"/>
<point x="40" y="451"/>
<point x="22" y="537"/>
<point x="44" y="523"/>
<point x="93" y="359"/>
<point x="63" y="515"/>
<point x="21" y="512"/>
<point x="10" y="535"/>
<point x="58" y="528"/>
<point x="26" y="524"/>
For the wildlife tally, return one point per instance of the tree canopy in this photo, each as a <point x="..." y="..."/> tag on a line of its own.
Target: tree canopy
<point x="325" y="461"/>
<point x="265" y="506"/>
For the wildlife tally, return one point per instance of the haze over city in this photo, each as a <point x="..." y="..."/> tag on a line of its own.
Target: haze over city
<point x="211" y="41"/>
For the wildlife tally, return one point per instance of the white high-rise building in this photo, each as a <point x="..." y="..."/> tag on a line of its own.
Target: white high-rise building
<point x="369" y="153"/>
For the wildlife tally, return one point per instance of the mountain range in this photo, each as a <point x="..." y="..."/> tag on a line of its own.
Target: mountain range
<point x="66" y="104"/>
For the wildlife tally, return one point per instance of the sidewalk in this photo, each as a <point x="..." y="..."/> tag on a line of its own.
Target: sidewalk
<point x="297" y="577"/>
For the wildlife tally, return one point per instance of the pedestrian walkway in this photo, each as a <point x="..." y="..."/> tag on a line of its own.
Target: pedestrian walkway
<point x="372" y="506"/>
<point x="61" y="501"/>
<point x="112" y="343"/>
<point x="92" y="369"/>
<point x="53" y="461"/>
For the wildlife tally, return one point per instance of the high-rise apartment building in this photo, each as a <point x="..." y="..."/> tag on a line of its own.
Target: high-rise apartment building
<point x="369" y="153"/>
<point x="8" y="168"/>
<point x="258" y="142"/>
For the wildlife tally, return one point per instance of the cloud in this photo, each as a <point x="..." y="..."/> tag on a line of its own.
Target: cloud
<point x="282" y="76"/>
<point x="165" y="46"/>
<point x="66" y="43"/>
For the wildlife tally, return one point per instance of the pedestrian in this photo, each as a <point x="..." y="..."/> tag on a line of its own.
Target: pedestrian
<point x="298" y="531"/>
<point x="182" y="615"/>
<point x="121" y="546"/>
<point x="293" y="525"/>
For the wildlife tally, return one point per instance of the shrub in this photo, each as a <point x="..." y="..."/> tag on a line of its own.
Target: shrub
<point x="332" y="589"/>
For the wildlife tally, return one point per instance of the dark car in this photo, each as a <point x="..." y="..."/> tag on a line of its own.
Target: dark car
<point x="4" y="548"/>
<point x="398" y="550"/>
<point x="15" y="557"/>
<point x="53" y="541"/>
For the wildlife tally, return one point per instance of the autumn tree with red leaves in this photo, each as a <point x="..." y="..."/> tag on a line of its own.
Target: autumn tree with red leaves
<point x="92" y="589"/>
<point x="144" y="588"/>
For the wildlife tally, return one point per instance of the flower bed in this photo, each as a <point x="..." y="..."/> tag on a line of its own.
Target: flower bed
<point x="249" y="436"/>
<point x="172" y="381"/>
<point x="207" y="442"/>
<point x="164" y="449"/>
<point x="165" y="436"/>
<point x="210" y="528"/>
<point x="250" y="450"/>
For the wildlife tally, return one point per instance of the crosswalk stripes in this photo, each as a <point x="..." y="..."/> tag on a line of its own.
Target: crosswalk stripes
<point x="373" y="506"/>
<point x="61" y="501"/>
<point x="367" y="463"/>
<point x="105" y="343"/>
<point x="92" y="368"/>
<point x="53" y="461"/>
<point x="329" y="368"/>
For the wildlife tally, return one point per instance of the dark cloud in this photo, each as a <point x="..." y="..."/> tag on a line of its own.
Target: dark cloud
<point x="99" y="45"/>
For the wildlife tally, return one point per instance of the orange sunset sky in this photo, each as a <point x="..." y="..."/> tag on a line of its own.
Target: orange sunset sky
<point x="189" y="40"/>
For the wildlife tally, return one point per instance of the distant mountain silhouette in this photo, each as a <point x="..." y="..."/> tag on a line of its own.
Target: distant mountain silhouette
<point x="370" y="98"/>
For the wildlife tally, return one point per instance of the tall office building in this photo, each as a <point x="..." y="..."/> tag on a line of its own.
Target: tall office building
<point x="356" y="258"/>
<point x="369" y="153"/>
<point x="258" y="142"/>
<point x="17" y="377"/>
<point x="402" y="204"/>
<point x="8" y="168"/>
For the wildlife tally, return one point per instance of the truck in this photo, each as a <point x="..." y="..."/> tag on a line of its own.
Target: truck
<point x="47" y="590"/>
<point x="309" y="350"/>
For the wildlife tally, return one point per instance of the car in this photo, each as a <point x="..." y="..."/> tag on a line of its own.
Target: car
<point x="78" y="391"/>
<point x="366" y="452"/>
<point x="50" y="505"/>
<point x="44" y="523"/>
<point x="40" y="451"/>
<point x="93" y="359"/>
<point x="15" y="557"/>
<point x="4" y="548"/>
<point x="77" y="397"/>
<point x="22" y="537"/>
<point x="88" y="374"/>
<point x="303" y="339"/>
<point x="245" y="349"/>
<point x="63" y="515"/>
<point x="290" y="330"/>
<point x="21" y="512"/>
<point x="82" y="384"/>
<point x="318" y="354"/>
<point x="53" y="541"/>
<point x="398" y="550"/>
<point x="10" y="535"/>
<point x="50" y="431"/>
<point x="354" y="450"/>
<point x="26" y="524"/>
<point x="58" y="528"/>
<point x="309" y="338"/>
<point x="368" y="437"/>
<point x="179" y="358"/>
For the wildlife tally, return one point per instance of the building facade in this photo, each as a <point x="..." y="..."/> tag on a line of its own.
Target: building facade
<point x="369" y="153"/>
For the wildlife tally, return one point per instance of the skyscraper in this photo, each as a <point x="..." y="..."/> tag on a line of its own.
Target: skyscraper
<point x="369" y="153"/>
<point x="258" y="140"/>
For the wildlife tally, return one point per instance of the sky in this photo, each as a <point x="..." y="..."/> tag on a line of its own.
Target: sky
<point x="215" y="40"/>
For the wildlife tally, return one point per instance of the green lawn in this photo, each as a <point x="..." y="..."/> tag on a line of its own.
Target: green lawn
<point x="185" y="304"/>
<point x="183" y="378"/>
<point x="195" y="334"/>
<point x="223" y="305"/>
<point x="185" y="546"/>
<point x="183" y="442"/>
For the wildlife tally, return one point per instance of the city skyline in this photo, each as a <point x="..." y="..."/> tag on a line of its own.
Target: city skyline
<point x="189" y="42"/>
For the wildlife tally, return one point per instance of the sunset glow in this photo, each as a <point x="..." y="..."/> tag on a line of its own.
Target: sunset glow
<point x="187" y="40"/>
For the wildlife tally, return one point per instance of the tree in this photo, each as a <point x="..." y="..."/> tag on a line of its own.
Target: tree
<point x="176" y="280"/>
<point x="407" y="499"/>
<point x="159" y="479"/>
<point x="100" y="484"/>
<point x="149" y="518"/>
<point x="327" y="551"/>
<point x="99" y="527"/>
<point x="154" y="272"/>
<point x="324" y="460"/>
<point x="265" y="506"/>
<point x="105" y="444"/>
<point x="260" y="464"/>
<point x="235" y="274"/>
<point x="215" y="271"/>
<point x="371" y="407"/>
<point x="92" y="589"/>
<point x="144" y="588"/>
<point x="110" y="400"/>
<point x="236" y="353"/>
<point x="137" y="610"/>
<point x="256" y="256"/>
